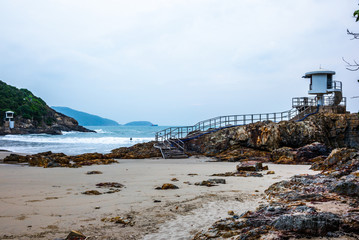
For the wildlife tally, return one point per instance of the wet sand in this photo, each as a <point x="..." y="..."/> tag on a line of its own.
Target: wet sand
<point x="46" y="203"/>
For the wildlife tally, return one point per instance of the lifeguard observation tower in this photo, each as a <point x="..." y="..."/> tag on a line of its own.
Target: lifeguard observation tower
<point x="328" y="93"/>
<point x="9" y="119"/>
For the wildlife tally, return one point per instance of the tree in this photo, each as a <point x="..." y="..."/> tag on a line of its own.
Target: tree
<point x="355" y="65"/>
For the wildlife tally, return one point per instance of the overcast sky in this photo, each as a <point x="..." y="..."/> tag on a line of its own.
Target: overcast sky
<point x="175" y="62"/>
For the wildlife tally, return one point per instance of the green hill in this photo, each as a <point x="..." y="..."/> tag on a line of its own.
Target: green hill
<point x="32" y="114"/>
<point x="86" y="119"/>
<point x="24" y="104"/>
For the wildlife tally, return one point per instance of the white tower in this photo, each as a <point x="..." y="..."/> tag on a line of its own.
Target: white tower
<point x="9" y="118"/>
<point x="321" y="83"/>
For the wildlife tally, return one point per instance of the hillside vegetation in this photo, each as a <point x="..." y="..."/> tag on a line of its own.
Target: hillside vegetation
<point x="32" y="114"/>
<point x="24" y="104"/>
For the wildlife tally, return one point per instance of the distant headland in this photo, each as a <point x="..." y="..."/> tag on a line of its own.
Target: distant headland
<point x="140" y="123"/>
<point x="86" y="119"/>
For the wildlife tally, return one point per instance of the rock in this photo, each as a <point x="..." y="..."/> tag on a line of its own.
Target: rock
<point x="75" y="235"/>
<point x="53" y="164"/>
<point x="235" y="154"/>
<point x="250" y="166"/>
<point x="166" y="186"/>
<point x="349" y="188"/>
<point x="339" y="158"/>
<point x="311" y="151"/>
<point x="270" y="172"/>
<point x="211" y="182"/>
<point x="253" y="174"/>
<point x="137" y="151"/>
<point x="315" y="224"/>
<point x="333" y="130"/>
<point x="174" y="180"/>
<point x="110" y="185"/>
<point x="305" y="206"/>
<point x="205" y="183"/>
<point x="15" y="158"/>
<point x="283" y="155"/>
<point x="217" y="180"/>
<point x="192" y="174"/>
<point x="230" y="213"/>
<point x="120" y="220"/>
<point x="93" y="172"/>
<point x="92" y="192"/>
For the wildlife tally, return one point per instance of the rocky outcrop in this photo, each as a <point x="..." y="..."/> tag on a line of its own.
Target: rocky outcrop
<point x="138" y="151"/>
<point x="321" y="205"/>
<point x="333" y="130"/>
<point x="343" y="159"/>
<point x="307" y="154"/>
<point x="50" y="159"/>
<point x="56" y="126"/>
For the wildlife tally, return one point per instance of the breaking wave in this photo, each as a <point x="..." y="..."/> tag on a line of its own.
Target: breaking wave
<point x="42" y="138"/>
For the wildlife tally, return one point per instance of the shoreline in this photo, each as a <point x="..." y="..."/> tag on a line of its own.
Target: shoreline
<point x="54" y="205"/>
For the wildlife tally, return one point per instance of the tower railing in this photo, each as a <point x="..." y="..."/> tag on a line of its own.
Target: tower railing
<point x="312" y="102"/>
<point x="222" y="122"/>
<point x="336" y="86"/>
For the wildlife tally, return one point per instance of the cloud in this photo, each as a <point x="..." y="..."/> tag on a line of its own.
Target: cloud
<point x="164" y="60"/>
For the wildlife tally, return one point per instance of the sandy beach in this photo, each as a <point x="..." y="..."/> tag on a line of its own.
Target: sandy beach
<point x="47" y="203"/>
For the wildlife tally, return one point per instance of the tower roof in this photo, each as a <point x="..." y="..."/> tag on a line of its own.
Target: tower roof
<point x="318" y="72"/>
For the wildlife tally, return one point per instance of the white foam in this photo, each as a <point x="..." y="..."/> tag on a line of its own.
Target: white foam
<point x="101" y="131"/>
<point x="43" y="138"/>
<point x="68" y="133"/>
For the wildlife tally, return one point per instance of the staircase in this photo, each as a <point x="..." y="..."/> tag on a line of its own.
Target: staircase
<point x="171" y="148"/>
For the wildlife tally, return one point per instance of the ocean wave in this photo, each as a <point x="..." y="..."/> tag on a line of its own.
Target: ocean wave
<point x="101" y="131"/>
<point x="68" y="133"/>
<point x="75" y="140"/>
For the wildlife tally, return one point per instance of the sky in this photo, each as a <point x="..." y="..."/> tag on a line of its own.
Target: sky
<point x="175" y="62"/>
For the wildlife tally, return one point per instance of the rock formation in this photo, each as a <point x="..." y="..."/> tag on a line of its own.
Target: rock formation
<point x="332" y="130"/>
<point x="59" y="124"/>
<point x="321" y="205"/>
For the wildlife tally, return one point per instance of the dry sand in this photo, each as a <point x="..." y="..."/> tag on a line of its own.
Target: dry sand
<point x="46" y="203"/>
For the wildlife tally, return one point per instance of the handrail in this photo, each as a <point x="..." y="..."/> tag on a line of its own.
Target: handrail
<point x="336" y="85"/>
<point x="223" y="121"/>
<point x="306" y="101"/>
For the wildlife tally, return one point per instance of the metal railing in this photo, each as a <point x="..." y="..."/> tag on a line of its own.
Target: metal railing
<point x="221" y="122"/>
<point x="336" y="86"/>
<point x="330" y="101"/>
<point x="312" y="102"/>
<point x="303" y="102"/>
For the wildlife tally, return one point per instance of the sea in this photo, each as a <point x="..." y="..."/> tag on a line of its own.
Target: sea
<point x="103" y="140"/>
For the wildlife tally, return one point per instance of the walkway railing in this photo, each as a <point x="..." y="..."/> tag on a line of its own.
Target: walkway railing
<point x="223" y="121"/>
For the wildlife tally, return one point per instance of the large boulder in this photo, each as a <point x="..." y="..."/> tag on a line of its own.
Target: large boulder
<point x="304" y="155"/>
<point x="349" y="188"/>
<point x="339" y="159"/>
<point x="137" y="151"/>
<point x="311" y="151"/>
<point x="314" y="224"/>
